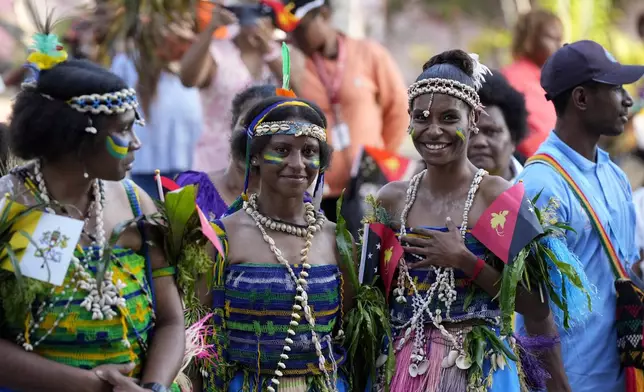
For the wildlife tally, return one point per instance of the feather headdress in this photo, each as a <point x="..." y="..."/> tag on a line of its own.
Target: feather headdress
<point x="46" y="50"/>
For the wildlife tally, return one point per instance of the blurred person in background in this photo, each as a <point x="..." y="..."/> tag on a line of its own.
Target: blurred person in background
<point x="216" y="191"/>
<point x="537" y="35"/>
<point x="172" y="111"/>
<point x="229" y="55"/>
<point x="355" y="82"/>
<point x="502" y="126"/>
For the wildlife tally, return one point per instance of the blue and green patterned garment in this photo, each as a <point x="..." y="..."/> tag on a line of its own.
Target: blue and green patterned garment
<point x="77" y="340"/>
<point x="256" y="303"/>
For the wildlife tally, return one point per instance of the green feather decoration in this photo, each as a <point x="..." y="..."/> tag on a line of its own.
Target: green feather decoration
<point x="286" y="67"/>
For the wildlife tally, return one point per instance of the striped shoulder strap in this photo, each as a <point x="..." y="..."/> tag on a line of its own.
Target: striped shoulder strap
<point x="133" y="196"/>
<point x="616" y="265"/>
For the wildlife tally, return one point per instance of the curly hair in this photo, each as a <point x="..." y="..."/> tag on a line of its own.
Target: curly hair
<point x="496" y="91"/>
<point x="312" y="114"/>
<point x="43" y="125"/>
<point x="528" y="27"/>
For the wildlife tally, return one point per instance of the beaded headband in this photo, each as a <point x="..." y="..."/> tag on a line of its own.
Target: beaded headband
<point x="462" y="91"/>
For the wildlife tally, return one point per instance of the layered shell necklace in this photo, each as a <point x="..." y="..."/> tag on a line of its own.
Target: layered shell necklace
<point x="100" y="300"/>
<point x="314" y="221"/>
<point x="443" y="288"/>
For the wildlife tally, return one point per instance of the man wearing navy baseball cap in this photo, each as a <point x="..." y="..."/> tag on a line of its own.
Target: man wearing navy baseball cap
<point x="584" y="82"/>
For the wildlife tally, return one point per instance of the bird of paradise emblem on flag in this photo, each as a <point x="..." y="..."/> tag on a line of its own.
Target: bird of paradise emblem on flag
<point x="498" y="221"/>
<point x="512" y="214"/>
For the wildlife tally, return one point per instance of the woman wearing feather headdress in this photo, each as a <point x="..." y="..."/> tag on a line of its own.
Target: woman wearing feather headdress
<point x="275" y="288"/>
<point x="107" y="326"/>
<point x="451" y="331"/>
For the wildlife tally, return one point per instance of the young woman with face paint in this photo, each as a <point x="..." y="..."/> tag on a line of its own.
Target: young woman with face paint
<point x="279" y="273"/>
<point x="443" y="263"/>
<point x="74" y="121"/>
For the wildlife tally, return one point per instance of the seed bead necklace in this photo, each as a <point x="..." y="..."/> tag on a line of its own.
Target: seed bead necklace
<point x="314" y="224"/>
<point x="443" y="287"/>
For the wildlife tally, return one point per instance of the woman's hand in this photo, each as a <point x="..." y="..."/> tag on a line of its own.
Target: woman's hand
<point x="262" y="37"/>
<point x="113" y="375"/>
<point x="440" y="249"/>
<point x="116" y="377"/>
<point x="222" y="17"/>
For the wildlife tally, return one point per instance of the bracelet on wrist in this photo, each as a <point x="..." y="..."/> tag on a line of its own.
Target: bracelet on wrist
<point x="155" y="387"/>
<point x="478" y="267"/>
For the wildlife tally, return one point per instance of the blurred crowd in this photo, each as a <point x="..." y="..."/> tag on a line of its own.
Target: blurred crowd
<point x="188" y="67"/>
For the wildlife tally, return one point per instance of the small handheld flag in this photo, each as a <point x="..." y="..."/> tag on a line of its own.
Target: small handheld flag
<point x="381" y="252"/>
<point x="508" y="224"/>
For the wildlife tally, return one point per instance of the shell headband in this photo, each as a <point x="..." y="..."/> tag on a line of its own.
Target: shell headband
<point x="454" y="88"/>
<point x="258" y="127"/>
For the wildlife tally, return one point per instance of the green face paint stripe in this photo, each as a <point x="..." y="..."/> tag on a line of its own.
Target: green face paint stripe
<point x="273" y="158"/>
<point x="460" y="134"/>
<point x="314" y="164"/>
<point x="116" y="146"/>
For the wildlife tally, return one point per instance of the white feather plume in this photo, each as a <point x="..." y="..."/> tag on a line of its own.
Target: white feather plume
<point x="480" y="70"/>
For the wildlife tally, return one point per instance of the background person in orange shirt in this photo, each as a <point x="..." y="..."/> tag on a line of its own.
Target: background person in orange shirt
<point x="537" y="35"/>
<point x="357" y="85"/>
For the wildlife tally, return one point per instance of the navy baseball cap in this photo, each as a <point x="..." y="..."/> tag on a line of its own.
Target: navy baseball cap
<point x="584" y="61"/>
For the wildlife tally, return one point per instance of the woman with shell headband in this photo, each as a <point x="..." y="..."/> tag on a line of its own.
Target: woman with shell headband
<point x="123" y="331"/>
<point x="455" y="290"/>
<point x="277" y="292"/>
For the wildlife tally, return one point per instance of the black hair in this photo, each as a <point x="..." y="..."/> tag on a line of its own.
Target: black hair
<point x="43" y="125"/>
<point x="452" y="64"/>
<point x="253" y="92"/>
<point x="561" y="101"/>
<point x="496" y="91"/>
<point x="640" y="26"/>
<point x="4" y="145"/>
<point x="312" y="114"/>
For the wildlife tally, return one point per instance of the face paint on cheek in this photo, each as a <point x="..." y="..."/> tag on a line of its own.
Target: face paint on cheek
<point x="116" y="146"/>
<point x="314" y="164"/>
<point x="460" y="134"/>
<point x="411" y="131"/>
<point x="272" y="158"/>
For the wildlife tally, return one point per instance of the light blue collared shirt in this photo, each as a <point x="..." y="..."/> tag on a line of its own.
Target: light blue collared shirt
<point x="589" y="351"/>
<point x="173" y="124"/>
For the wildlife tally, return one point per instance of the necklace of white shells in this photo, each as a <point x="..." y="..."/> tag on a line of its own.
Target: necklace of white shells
<point x="314" y="222"/>
<point x="443" y="288"/>
<point x="100" y="301"/>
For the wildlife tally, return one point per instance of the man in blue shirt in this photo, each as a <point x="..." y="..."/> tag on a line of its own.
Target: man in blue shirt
<point x="584" y="82"/>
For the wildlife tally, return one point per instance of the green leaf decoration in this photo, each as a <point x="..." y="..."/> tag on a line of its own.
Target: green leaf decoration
<point x="511" y="276"/>
<point x="179" y="208"/>
<point x="344" y="241"/>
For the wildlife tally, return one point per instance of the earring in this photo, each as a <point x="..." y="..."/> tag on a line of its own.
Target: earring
<point x="85" y="174"/>
<point x="475" y="129"/>
<point x="253" y="161"/>
<point x="90" y="127"/>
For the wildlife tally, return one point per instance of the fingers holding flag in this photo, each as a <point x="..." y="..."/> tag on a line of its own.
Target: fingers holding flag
<point x="437" y="248"/>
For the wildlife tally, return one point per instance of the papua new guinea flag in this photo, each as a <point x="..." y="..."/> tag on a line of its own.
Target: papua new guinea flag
<point x="381" y="252"/>
<point x="508" y="224"/>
